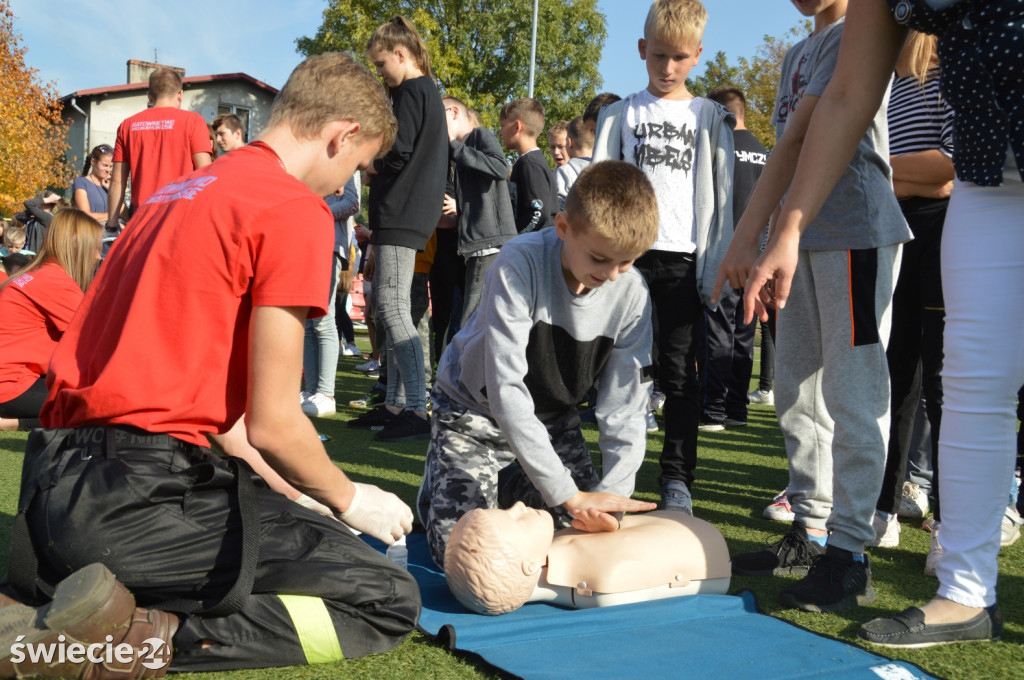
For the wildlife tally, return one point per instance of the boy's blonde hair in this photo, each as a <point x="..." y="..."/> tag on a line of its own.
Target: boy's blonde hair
<point x="14" y="236"/>
<point x="614" y="199"/>
<point x="582" y="136"/>
<point x="334" y="86"/>
<point x="528" y="110"/>
<point x="676" y="22"/>
<point x="560" y="127"/>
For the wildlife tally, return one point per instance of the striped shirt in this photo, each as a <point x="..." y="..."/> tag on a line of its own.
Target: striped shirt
<point x="919" y="117"/>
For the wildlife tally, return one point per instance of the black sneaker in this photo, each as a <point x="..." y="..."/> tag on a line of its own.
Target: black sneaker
<point x="374" y="420"/>
<point x="792" y="554"/>
<point x="835" y="582"/>
<point x="405" y="427"/>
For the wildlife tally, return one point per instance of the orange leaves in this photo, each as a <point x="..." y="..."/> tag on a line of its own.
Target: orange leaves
<point x="32" y="135"/>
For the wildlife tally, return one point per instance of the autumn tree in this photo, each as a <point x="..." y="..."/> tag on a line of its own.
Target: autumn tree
<point x="758" y="78"/>
<point x="33" y="136"/>
<point x="480" y="49"/>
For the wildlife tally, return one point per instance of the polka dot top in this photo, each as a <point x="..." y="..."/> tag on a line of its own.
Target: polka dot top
<point x="981" y="47"/>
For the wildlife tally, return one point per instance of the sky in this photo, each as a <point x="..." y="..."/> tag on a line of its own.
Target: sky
<point x="84" y="45"/>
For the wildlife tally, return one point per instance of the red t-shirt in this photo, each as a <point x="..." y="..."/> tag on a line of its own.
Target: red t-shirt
<point x="35" y="309"/>
<point x="162" y="340"/>
<point x="157" y="144"/>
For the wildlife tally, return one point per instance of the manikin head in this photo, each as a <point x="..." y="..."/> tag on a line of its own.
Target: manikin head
<point x="494" y="557"/>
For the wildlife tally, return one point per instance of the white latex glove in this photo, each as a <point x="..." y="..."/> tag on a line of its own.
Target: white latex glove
<point x="378" y="513"/>
<point x="315" y="505"/>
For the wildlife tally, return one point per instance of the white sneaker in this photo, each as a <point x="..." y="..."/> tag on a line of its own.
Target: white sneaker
<point x="913" y="502"/>
<point x="304" y="396"/>
<point x="657" y="400"/>
<point x="1011" y="526"/>
<point x="710" y="426"/>
<point x="367" y="366"/>
<point x="675" y="495"/>
<point x="887" y="533"/>
<point x="934" y="552"/>
<point x="762" y="397"/>
<point x="319" y="405"/>
<point x="350" y="351"/>
<point x="652" y="422"/>
<point x="780" y="509"/>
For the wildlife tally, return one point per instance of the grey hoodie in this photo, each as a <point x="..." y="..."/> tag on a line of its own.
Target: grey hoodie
<point x="712" y="188"/>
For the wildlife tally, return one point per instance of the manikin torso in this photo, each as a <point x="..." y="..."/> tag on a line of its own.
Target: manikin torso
<point x="653" y="555"/>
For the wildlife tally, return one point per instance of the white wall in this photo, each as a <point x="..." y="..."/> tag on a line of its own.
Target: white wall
<point x="107" y="111"/>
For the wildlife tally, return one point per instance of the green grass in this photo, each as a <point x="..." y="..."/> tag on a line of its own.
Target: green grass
<point x="739" y="470"/>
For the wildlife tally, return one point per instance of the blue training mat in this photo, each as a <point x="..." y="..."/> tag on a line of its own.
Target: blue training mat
<point x="699" y="636"/>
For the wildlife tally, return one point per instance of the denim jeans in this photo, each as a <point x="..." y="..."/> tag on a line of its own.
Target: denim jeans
<point x="320" y="348"/>
<point x="392" y="283"/>
<point x="419" y="295"/>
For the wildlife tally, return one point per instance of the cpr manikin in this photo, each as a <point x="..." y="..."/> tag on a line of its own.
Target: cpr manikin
<point x="497" y="560"/>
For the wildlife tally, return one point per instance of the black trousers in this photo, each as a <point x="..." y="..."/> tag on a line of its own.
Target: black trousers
<point x="27" y="405"/>
<point x="914" y="353"/>
<point x="725" y="359"/>
<point x="767" y="377"/>
<point x="167" y="524"/>
<point x="672" y="280"/>
<point x="446" y="277"/>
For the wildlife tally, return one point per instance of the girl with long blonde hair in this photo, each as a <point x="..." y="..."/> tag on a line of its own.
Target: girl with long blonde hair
<point x="36" y="306"/>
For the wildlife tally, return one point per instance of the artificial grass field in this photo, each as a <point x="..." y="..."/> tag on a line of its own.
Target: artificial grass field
<point x="739" y="470"/>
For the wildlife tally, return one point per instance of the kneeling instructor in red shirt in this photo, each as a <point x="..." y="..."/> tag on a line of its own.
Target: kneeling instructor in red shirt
<point x="148" y="534"/>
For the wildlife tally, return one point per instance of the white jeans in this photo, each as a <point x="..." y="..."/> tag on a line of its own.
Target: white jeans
<point x="983" y="283"/>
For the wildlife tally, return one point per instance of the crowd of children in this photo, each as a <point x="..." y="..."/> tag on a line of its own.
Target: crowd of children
<point x="628" y="277"/>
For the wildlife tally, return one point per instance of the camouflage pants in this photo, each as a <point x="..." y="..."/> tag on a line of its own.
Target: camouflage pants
<point x="471" y="465"/>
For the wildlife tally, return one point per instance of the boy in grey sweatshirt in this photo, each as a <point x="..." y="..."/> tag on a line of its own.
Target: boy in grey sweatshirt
<point x="561" y="312"/>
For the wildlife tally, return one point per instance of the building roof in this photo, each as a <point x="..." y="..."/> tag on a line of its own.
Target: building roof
<point x="132" y="87"/>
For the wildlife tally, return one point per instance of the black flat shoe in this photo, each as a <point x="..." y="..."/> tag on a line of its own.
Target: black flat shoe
<point x="908" y="629"/>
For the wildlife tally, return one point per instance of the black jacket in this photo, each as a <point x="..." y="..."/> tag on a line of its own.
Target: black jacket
<point x="407" y="192"/>
<point x="536" y="199"/>
<point x="481" y="192"/>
